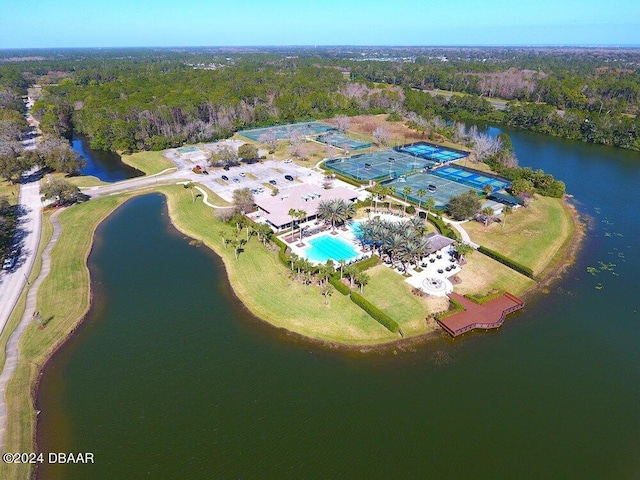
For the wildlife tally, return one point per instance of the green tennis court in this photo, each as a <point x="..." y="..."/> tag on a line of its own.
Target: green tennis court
<point x="377" y="165"/>
<point x="285" y="132"/>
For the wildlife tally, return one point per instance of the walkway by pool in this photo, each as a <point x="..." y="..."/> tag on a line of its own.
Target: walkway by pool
<point x="488" y="315"/>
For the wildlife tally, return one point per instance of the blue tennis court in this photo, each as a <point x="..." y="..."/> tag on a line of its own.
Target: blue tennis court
<point x="471" y="178"/>
<point x="337" y="139"/>
<point x="436" y="153"/>
<point x="285" y="132"/>
<point x="388" y="163"/>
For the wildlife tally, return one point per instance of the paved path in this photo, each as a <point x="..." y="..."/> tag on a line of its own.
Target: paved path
<point x="12" y="345"/>
<point x="463" y="233"/>
<point x="27" y="236"/>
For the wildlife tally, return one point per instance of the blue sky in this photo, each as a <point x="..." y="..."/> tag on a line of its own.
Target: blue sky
<point x="122" y="23"/>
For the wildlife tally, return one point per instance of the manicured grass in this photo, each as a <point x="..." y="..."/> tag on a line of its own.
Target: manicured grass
<point x="148" y="162"/>
<point x="79" y="181"/>
<point x="63" y="299"/>
<point x="482" y="275"/>
<point x="388" y="291"/>
<point x="264" y="285"/>
<point x="18" y="311"/>
<point x="531" y="236"/>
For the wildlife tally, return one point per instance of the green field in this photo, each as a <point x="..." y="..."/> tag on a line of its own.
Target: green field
<point x="388" y="291"/>
<point x="148" y="162"/>
<point x="534" y="236"/>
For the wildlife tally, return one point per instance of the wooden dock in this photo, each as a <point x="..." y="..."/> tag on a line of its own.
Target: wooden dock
<point x="487" y="315"/>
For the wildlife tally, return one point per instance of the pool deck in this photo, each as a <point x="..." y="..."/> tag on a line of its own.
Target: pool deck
<point x="488" y="315"/>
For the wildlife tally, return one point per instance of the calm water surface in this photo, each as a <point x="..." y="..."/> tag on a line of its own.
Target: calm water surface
<point x="170" y="378"/>
<point x="107" y="166"/>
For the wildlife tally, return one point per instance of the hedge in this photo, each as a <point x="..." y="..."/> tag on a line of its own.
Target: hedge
<point x="348" y="180"/>
<point x="377" y="314"/>
<point x="282" y="253"/>
<point x="367" y="263"/>
<point x="507" y="261"/>
<point x="454" y="307"/>
<point x="338" y="285"/>
<point x="442" y="227"/>
<point x="484" y="299"/>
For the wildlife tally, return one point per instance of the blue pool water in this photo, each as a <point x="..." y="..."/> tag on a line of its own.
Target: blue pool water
<point x="328" y="247"/>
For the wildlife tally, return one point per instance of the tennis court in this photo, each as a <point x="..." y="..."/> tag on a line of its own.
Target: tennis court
<point x="377" y="165"/>
<point x="429" y="151"/>
<point x="471" y="178"/>
<point x="438" y="188"/>
<point x="337" y="139"/>
<point x="285" y="132"/>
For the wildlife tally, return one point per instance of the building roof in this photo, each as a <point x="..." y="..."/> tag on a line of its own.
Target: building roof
<point x="438" y="242"/>
<point x="506" y="199"/>
<point x="299" y="197"/>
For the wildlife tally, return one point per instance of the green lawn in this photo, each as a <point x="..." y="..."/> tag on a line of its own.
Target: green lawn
<point x="148" y="162"/>
<point x="534" y="236"/>
<point x="388" y="291"/>
<point x="482" y="275"/>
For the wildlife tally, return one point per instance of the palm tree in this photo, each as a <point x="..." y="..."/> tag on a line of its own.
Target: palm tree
<point x="336" y="211"/>
<point x="292" y="213"/>
<point x="507" y="210"/>
<point x="351" y="271"/>
<point x="300" y="215"/>
<point x="463" y="250"/>
<point x="421" y="193"/>
<point x="362" y="279"/>
<point x="406" y="191"/>
<point x="488" y="213"/>
<point x="326" y="290"/>
<point x="429" y="205"/>
<point x="325" y="271"/>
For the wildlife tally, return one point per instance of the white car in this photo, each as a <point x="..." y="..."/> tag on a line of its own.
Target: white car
<point x="9" y="263"/>
<point x="288" y="160"/>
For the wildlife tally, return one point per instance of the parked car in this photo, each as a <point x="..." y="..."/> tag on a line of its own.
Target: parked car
<point x="273" y="182"/>
<point x="236" y="180"/>
<point x="225" y="178"/>
<point x="9" y="263"/>
<point x="432" y="188"/>
<point x="205" y="172"/>
<point x="288" y="160"/>
<point x="242" y="174"/>
<point x="288" y="177"/>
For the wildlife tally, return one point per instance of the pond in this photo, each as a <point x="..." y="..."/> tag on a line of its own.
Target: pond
<point x="106" y="166"/>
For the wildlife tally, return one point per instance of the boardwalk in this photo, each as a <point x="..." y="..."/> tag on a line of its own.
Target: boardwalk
<point x="488" y="315"/>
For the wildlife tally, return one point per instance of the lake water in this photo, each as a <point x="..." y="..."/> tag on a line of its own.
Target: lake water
<point x="171" y="378"/>
<point x="107" y="166"/>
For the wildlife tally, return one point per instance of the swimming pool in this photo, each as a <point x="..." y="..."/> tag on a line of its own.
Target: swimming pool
<point x="327" y="247"/>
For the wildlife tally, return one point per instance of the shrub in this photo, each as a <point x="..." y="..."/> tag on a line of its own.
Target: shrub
<point x="507" y="261"/>
<point x="411" y="209"/>
<point x="442" y="227"/>
<point x="367" y="263"/>
<point x="377" y="314"/>
<point x="339" y="286"/>
<point x="484" y="299"/>
<point x="454" y="307"/>
<point x="282" y="253"/>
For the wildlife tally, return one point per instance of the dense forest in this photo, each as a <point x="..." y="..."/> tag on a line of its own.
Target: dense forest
<point x="131" y="99"/>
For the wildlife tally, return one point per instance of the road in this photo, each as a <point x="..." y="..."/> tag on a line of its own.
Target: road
<point x="27" y="236"/>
